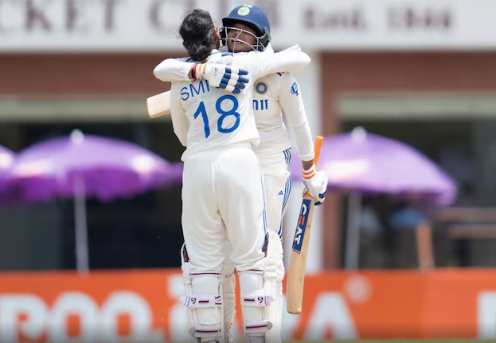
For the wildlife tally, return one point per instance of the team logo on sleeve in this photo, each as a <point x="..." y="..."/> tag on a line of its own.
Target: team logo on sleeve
<point x="294" y="89"/>
<point x="261" y="88"/>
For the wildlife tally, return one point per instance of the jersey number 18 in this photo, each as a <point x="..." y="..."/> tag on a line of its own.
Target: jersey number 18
<point x="223" y="114"/>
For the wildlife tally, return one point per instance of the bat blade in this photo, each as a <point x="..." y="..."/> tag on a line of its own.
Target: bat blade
<point x="298" y="260"/>
<point x="158" y="105"/>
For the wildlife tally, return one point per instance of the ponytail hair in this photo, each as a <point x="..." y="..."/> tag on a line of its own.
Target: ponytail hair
<point x="197" y="32"/>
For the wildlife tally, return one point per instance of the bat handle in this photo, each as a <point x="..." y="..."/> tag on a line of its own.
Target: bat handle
<point x="317" y="147"/>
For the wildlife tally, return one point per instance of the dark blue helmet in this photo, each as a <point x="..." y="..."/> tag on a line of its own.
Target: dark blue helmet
<point x="253" y="17"/>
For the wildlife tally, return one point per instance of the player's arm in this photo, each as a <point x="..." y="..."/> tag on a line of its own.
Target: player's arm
<point x="264" y="63"/>
<point x="173" y="70"/>
<point x="294" y="110"/>
<point x="179" y="119"/>
<point x="219" y="74"/>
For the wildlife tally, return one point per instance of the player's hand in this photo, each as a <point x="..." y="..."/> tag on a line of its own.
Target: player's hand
<point x="219" y="75"/>
<point x="315" y="183"/>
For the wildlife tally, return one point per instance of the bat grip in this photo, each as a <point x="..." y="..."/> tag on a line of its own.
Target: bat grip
<point x="317" y="147"/>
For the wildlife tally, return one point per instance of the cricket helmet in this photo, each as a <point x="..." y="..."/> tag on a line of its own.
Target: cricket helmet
<point x="251" y="16"/>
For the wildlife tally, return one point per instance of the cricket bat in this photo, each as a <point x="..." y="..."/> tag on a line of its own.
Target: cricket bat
<point x="158" y="105"/>
<point x="298" y="259"/>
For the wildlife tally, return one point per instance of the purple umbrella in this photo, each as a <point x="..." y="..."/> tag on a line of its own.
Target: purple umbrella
<point x="372" y="164"/>
<point x="364" y="163"/>
<point x="6" y="161"/>
<point x="82" y="166"/>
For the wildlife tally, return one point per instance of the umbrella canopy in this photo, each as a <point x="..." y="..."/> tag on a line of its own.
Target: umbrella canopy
<point x="82" y="166"/>
<point x="108" y="169"/>
<point x="372" y="164"/>
<point x="6" y="160"/>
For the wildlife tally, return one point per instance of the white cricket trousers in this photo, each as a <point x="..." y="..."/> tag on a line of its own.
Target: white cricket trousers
<point x="277" y="187"/>
<point x="223" y="199"/>
<point x="277" y="182"/>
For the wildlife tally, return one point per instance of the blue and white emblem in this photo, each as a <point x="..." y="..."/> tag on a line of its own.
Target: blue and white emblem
<point x="261" y="88"/>
<point x="294" y="89"/>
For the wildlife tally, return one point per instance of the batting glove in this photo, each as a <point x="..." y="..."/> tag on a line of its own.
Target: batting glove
<point x="231" y="79"/>
<point x="315" y="183"/>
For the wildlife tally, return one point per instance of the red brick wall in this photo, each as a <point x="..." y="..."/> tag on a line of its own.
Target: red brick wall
<point x="352" y="72"/>
<point x="79" y="74"/>
<point x="132" y="73"/>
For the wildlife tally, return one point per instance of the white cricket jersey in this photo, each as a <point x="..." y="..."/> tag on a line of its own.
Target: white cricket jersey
<point x="206" y="117"/>
<point x="275" y="96"/>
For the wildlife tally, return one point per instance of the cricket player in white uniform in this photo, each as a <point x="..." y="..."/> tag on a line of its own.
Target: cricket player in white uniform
<point x="223" y="199"/>
<point x="276" y="96"/>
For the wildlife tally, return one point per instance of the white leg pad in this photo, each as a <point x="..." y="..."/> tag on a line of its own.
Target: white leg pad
<point x="204" y="302"/>
<point x="206" y="331"/>
<point x="228" y="299"/>
<point x="274" y="274"/>
<point x="258" y="290"/>
<point x="258" y="327"/>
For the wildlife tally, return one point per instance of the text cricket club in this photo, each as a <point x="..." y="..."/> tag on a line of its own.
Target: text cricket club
<point x="104" y="25"/>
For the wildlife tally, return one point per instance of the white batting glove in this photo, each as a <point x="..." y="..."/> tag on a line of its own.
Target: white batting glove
<point x="219" y="75"/>
<point x="315" y="183"/>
